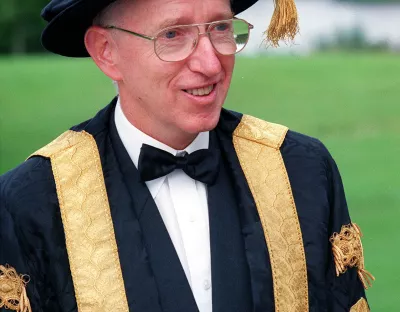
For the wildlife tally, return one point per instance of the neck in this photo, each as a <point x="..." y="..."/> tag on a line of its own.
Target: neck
<point x="174" y="138"/>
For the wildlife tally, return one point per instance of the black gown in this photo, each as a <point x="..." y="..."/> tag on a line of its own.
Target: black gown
<point x="32" y="239"/>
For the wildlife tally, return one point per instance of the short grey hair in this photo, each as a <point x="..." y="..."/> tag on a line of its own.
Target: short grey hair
<point x="103" y="17"/>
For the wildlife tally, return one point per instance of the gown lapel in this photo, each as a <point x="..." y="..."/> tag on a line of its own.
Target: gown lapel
<point x="140" y="285"/>
<point x="230" y="274"/>
<point x="145" y="237"/>
<point x="256" y="251"/>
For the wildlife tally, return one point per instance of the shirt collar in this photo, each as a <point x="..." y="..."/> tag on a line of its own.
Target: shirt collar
<point x="133" y="139"/>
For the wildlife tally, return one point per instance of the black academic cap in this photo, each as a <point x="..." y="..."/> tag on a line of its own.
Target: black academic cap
<point x="68" y="21"/>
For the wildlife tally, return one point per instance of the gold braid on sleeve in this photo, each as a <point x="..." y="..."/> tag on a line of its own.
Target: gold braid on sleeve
<point x="13" y="290"/>
<point x="348" y="253"/>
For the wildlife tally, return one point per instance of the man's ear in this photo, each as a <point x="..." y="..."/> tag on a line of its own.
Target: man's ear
<point x="101" y="47"/>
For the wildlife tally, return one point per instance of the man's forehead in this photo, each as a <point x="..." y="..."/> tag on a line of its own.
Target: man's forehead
<point x="183" y="4"/>
<point x="164" y="13"/>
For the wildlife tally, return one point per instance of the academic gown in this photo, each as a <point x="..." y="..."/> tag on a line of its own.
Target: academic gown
<point x="32" y="239"/>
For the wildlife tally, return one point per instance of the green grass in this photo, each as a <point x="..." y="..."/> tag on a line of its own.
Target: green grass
<point x="350" y="102"/>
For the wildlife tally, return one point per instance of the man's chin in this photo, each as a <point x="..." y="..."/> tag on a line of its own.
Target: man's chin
<point x="203" y="124"/>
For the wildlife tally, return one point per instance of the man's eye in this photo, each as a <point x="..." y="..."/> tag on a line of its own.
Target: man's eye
<point x="170" y="34"/>
<point x="222" y="27"/>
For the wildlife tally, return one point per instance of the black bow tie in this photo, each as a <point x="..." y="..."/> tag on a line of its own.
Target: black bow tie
<point x="201" y="165"/>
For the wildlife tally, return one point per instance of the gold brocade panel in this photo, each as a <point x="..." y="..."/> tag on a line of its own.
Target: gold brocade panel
<point x="257" y="145"/>
<point x="89" y="231"/>
<point x="360" y="306"/>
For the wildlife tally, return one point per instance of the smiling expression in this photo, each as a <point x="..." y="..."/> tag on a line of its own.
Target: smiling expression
<point x="170" y="101"/>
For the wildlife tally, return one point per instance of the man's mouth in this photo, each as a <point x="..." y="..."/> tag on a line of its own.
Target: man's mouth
<point x="201" y="91"/>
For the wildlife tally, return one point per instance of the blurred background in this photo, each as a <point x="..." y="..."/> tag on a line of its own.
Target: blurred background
<point x="339" y="81"/>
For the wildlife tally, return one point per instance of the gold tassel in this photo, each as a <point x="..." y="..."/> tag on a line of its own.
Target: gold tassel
<point x="284" y="24"/>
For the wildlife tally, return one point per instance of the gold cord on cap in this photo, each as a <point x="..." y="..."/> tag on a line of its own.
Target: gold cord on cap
<point x="284" y="23"/>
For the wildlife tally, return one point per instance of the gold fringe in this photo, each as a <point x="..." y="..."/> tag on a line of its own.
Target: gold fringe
<point x="13" y="294"/>
<point x="348" y="253"/>
<point x="24" y="303"/>
<point x="366" y="278"/>
<point x="284" y="24"/>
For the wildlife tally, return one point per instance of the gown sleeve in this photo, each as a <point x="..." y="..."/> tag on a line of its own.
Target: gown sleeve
<point x="347" y="289"/>
<point x="14" y="254"/>
<point x="27" y="205"/>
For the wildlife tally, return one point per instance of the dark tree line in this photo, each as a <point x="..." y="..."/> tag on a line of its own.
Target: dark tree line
<point x="21" y="24"/>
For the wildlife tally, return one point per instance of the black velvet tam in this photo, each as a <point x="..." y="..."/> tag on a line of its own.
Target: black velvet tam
<point x="69" y="20"/>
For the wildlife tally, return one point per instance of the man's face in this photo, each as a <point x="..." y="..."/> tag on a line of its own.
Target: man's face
<point x="154" y="93"/>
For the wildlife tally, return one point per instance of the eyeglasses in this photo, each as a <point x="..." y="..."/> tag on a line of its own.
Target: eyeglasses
<point x="176" y="43"/>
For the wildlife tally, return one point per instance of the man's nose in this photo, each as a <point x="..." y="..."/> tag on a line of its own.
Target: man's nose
<point x="204" y="58"/>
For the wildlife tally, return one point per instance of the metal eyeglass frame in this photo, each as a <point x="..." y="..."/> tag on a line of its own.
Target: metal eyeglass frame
<point x="153" y="38"/>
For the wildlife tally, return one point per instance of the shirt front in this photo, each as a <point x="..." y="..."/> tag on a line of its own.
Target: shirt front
<point x="182" y="203"/>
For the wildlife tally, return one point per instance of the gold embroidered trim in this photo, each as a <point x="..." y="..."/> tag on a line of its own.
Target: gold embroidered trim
<point x="360" y="306"/>
<point x="13" y="290"/>
<point x="89" y="231"/>
<point x="348" y="252"/>
<point x="260" y="131"/>
<point x="257" y="146"/>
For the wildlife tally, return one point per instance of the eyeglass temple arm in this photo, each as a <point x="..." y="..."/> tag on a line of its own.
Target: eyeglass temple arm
<point x="131" y="32"/>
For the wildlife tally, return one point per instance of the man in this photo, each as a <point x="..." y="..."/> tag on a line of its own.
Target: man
<point x="164" y="201"/>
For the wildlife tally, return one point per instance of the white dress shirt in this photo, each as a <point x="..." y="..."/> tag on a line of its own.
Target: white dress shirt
<point x="182" y="203"/>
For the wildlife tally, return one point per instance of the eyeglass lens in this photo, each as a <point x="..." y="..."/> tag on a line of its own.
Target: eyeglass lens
<point x="177" y="43"/>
